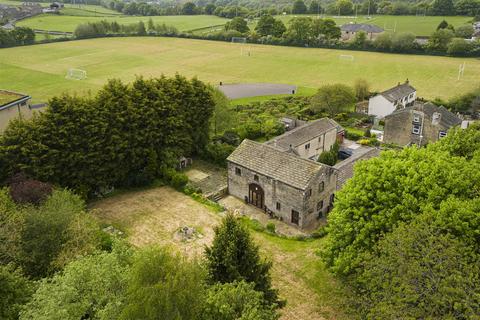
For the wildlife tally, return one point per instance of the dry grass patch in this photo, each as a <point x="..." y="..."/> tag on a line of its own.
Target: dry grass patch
<point x="154" y="216"/>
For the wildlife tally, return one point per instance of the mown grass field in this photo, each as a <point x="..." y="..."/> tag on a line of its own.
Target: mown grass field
<point x="40" y="70"/>
<point x="418" y="25"/>
<point x="68" y="23"/>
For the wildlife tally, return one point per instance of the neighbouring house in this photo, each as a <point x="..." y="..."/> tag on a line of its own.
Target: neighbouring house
<point x="349" y="30"/>
<point x="295" y="190"/>
<point x="386" y="102"/>
<point x="419" y="124"/>
<point x="12" y="106"/>
<point x="291" y="123"/>
<point x="308" y="141"/>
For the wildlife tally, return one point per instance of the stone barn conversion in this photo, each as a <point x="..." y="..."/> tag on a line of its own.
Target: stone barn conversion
<point x="295" y="190"/>
<point x="419" y="124"/>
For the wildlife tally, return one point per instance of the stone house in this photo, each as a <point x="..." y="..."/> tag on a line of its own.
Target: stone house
<point x="13" y="105"/>
<point x="386" y="102"/>
<point x="298" y="191"/>
<point x="419" y="124"/>
<point x="349" y="30"/>
<point x="308" y="141"/>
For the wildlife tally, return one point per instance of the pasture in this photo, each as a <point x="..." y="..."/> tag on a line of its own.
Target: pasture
<point x="418" y="25"/>
<point x="154" y="215"/>
<point x="68" y="23"/>
<point x="40" y="70"/>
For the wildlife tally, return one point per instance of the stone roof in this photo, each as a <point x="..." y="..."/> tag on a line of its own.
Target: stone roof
<point x="274" y="163"/>
<point x="447" y="118"/>
<point x="398" y="92"/>
<point x="355" y="27"/>
<point x="345" y="168"/>
<point x="303" y="133"/>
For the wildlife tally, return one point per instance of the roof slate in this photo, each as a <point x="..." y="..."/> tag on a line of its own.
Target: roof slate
<point x="274" y="163"/>
<point x="448" y="118"/>
<point x="398" y="92"/>
<point x="355" y="27"/>
<point x="303" y="133"/>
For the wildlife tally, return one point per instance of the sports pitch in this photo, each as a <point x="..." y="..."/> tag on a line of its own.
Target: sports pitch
<point x="68" y="23"/>
<point x="40" y="70"/>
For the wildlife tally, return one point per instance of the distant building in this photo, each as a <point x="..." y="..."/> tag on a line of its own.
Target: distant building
<point x="308" y="141"/>
<point x="12" y="106"/>
<point x="349" y="30"/>
<point x="419" y="124"/>
<point x="386" y="102"/>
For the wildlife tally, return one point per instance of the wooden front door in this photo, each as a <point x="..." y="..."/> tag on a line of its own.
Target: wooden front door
<point x="256" y="196"/>
<point x="295" y="217"/>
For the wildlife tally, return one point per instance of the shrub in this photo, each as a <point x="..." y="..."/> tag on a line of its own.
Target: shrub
<point x="28" y="191"/>
<point x="271" y="227"/>
<point x="352" y="135"/>
<point x="175" y="179"/>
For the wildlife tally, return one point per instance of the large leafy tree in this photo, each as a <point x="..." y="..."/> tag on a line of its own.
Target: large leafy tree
<point x="236" y="300"/>
<point x="269" y="26"/>
<point x="299" y="7"/>
<point x="333" y="98"/>
<point x="15" y="290"/>
<point x="122" y="136"/>
<point x="419" y="271"/>
<point x="394" y="188"/>
<point x="93" y="287"/>
<point x="234" y="257"/>
<point x="239" y="24"/>
<point x="164" y="286"/>
<point x="442" y="8"/>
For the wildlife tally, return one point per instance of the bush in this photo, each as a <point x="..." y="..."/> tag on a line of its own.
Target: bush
<point x="271" y="227"/>
<point x="352" y="135"/>
<point x="28" y="191"/>
<point x="218" y="152"/>
<point x="175" y="179"/>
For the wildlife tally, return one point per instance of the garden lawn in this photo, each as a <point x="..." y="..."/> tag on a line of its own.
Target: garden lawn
<point x="68" y="23"/>
<point x="153" y="216"/>
<point x="39" y="70"/>
<point x="418" y="25"/>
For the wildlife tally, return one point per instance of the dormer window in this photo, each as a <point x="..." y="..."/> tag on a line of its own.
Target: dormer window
<point x="416" y="118"/>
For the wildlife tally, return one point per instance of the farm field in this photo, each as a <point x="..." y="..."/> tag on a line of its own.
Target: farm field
<point x="40" y="70"/>
<point x="311" y="292"/>
<point x="418" y="25"/>
<point x="68" y="23"/>
<point x="68" y="7"/>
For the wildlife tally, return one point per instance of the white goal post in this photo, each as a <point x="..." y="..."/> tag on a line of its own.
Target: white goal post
<point x="76" y="74"/>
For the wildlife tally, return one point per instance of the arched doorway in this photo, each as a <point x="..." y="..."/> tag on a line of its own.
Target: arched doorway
<point x="256" y="196"/>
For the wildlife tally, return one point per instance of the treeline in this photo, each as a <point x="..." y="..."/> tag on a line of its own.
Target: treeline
<point x="407" y="240"/>
<point x="252" y="9"/>
<point x="125" y="135"/>
<point x="57" y="263"/>
<point x="105" y="28"/>
<point x="16" y="37"/>
<point x="310" y="32"/>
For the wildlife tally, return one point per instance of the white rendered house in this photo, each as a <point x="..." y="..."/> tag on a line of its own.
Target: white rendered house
<point x="398" y="97"/>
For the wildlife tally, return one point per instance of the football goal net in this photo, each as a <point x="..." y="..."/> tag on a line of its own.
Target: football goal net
<point x="346" y="57"/>
<point x="76" y="74"/>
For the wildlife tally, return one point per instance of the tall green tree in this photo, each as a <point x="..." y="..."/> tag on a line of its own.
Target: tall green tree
<point x="239" y="24"/>
<point x="299" y="30"/>
<point x="15" y="291"/>
<point x="268" y="25"/>
<point x="234" y="257"/>
<point x="299" y="7"/>
<point x="236" y="300"/>
<point x="92" y="287"/>
<point x="443" y="8"/>
<point x="163" y="286"/>
<point x="315" y="7"/>
<point x="189" y="8"/>
<point x="333" y="98"/>
<point x="418" y="271"/>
